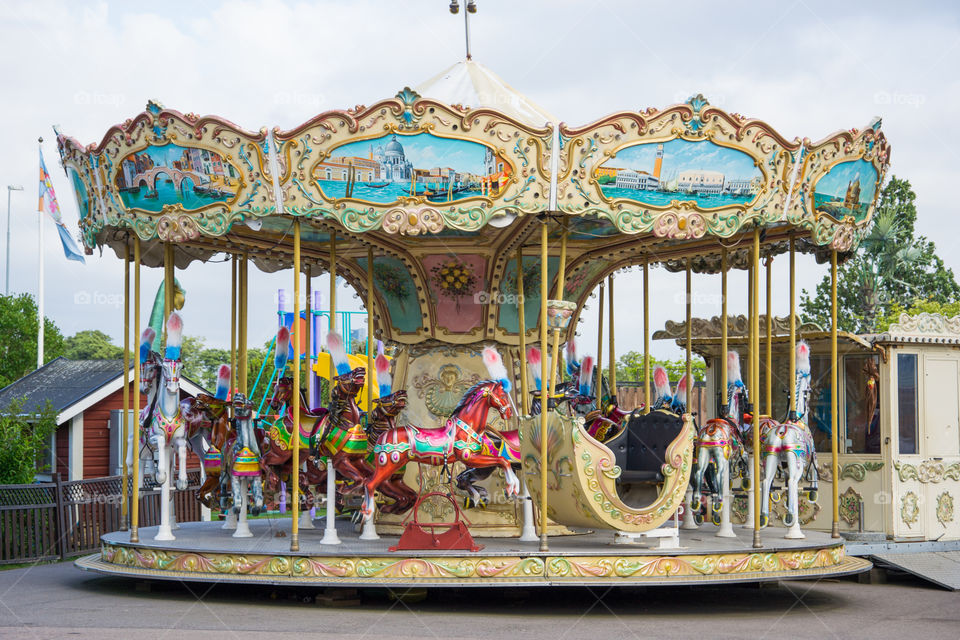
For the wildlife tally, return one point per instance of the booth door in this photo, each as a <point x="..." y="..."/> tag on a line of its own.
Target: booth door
<point x="941" y="445"/>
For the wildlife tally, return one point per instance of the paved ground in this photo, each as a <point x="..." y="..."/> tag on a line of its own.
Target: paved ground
<point x="59" y="601"/>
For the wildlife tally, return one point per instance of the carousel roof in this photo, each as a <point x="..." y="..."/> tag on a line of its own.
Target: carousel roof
<point x="473" y="85"/>
<point x="460" y="176"/>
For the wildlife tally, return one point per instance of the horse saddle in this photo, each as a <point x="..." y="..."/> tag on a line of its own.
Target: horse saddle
<point x="433" y="442"/>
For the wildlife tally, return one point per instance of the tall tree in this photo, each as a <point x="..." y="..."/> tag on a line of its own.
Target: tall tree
<point x="18" y="338"/>
<point x="23" y="438"/>
<point x="892" y="265"/>
<point x="91" y="344"/>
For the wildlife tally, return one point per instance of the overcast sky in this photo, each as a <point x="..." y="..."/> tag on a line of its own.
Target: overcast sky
<point x="807" y="68"/>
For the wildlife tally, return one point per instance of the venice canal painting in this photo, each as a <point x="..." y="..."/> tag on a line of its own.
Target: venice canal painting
<point x="171" y="174"/>
<point x="385" y="169"/>
<point x="846" y="190"/>
<point x="657" y="173"/>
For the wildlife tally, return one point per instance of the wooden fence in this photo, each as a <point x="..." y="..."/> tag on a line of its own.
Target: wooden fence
<point x="630" y="395"/>
<point x="60" y="520"/>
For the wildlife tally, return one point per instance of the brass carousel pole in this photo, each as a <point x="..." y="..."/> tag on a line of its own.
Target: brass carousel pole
<point x="522" y="335"/>
<point x="125" y="505"/>
<point x="646" y="335"/>
<point x="135" y="499"/>
<point x="755" y="376"/>
<point x="688" y="371"/>
<point x="307" y="335"/>
<point x="233" y="323"/>
<point x="370" y="368"/>
<point x="748" y="372"/>
<point x="333" y="298"/>
<point x="834" y="389"/>
<point x="769" y="337"/>
<point x="599" y="382"/>
<point x="295" y="396"/>
<point x="242" y="327"/>
<point x="724" y="342"/>
<point x="544" y="407"/>
<point x="793" y="332"/>
<point x="168" y="286"/>
<point x="561" y="280"/>
<point x="613" y="351"/>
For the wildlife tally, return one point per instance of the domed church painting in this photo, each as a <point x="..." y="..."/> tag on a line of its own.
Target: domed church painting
<point x="385" y="169"/>
<point x="846" y="191"/>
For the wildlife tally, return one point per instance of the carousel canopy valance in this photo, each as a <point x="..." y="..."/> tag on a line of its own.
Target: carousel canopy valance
<point x="418" y="166"/>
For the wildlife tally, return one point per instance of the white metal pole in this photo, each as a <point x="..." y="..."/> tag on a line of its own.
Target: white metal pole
<point x="330" y="526"/>
<point x="40" y="291"/>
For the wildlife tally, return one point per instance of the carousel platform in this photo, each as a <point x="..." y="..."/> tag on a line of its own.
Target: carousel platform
<point x="204" y="552"/>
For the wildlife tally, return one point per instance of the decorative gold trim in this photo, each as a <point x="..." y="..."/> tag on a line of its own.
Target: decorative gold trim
<point x="928" y="471"/>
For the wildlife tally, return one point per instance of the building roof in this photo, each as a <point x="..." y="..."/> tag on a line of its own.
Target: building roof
<point x="66" y="383"/>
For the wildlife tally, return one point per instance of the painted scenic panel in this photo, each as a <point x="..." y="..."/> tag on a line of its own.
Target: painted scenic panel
<point x="507" y="307"/>
<point x="399" y="291"/>
<point x="386" y="168"/>
<point x="846" y="190"/>
<point x="83" y="200"/>
<point x="704" y="172"/>
<point x="171" y="174"/>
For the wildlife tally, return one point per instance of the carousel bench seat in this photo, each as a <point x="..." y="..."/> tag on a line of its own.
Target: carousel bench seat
<point x="641" y="450"/>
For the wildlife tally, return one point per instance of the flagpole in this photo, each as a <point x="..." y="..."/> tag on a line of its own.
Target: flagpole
<point x="40" y="275"/>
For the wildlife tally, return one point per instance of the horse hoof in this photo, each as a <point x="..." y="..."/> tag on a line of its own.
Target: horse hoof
<point x="812" y="495"/>
<point x="745" y="483"/>
<point x="788" y="519"/>
<point x="698" y="519"/>
<point x="696" y="503"/>
<point x="715" y="518"/>
<point x="716" y="506"/>
<point x="764" y="521"/>
<point x="181" y="485"/>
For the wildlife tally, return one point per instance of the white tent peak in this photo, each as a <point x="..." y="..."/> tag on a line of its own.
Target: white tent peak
<point x="471" y="84"/>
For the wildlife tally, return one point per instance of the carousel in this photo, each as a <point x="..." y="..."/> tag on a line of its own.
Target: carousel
<point x="472" y="440"/>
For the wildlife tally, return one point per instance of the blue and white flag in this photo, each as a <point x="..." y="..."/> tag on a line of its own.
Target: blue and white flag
<point x="48" y="203"/>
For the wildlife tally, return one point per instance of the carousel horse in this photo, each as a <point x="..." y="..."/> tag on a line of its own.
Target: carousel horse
<point x="459" y="440"/>
<point x="719" y="447"/>
<point x="276" y="450"/>
<point x="207" y="420"/>
<point x="789" y="446"/>
<point x="663" y="395"/>
<point x="242" y="462"/>
<point x="149" y="385"/>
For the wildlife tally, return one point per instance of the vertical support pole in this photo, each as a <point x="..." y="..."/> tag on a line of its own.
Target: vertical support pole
<point x="308" y="337"/>
<point x="522" y="336"/>
<point x="748" y="377"/>
<point x="793" y="332"/>
<point x="769" y="336"/>
<point x="167" y="287"/>
<point x="613" y="350"/>
<point x="834" y="390"/>
<point x="755" y="367"/>
<point x="369" y="527"/>
<point x="599" y="382"/>
<point x="561" y="281"/>
<point x="688" y="371"/>
<point x="242" y="329"/>
<point x="333" y="297"/>
<point x="724" y="336"/>
<point x="135" y="499"/>
<point x="233" y="323"/>
<point x="295" y="396"/>
<point x="646" y="333"/>
<point x="125" y="420"/>
<point x="544" y="404"/>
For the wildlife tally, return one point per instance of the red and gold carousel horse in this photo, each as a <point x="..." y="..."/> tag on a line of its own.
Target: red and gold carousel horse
<point x="461" y="439"/>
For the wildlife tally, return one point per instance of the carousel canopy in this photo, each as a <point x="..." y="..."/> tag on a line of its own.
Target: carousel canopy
<point x="447" y="183"/>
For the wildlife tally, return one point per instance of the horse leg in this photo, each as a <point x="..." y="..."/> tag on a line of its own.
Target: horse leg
<point x="373" y="483"/>
<point x="257" y="507"/>
<point x="181" y="443"/>
<point x="769" y="471"/>
<point x="703" y="459"/>
<point x="345" y="468"/>
<point x="723" y="474"/>
<point x="795" y="469"/>
<point x="467" y="482"/>
<point x="160" y="474"/>
<point x="512" y="481"/>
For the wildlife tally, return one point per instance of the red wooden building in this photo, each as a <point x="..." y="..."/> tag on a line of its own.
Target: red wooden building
<point x="88" y="398"/>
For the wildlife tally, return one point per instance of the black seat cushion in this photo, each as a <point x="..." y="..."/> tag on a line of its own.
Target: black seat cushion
<point x="641" y="450"/>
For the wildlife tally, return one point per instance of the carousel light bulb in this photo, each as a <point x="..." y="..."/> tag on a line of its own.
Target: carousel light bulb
<point x="471" y="6"/>
<point x="454" y="7"/>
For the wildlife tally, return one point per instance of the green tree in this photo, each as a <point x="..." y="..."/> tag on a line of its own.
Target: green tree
<point x="892" y="264"/>
<point x="91" y="344"/>
<point x="23" y="438"/>
<point x="18" y="338"/>
<point x="630" y="367"/>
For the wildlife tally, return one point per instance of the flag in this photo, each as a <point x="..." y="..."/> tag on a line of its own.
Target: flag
<point x="48" y="203"/>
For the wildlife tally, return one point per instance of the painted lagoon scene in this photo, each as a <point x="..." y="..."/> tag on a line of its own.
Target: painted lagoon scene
<point x="172" y="174"/>
<point x="657" y="173"/>
<point x="393" y="166"/>
<point x="846" y="190"/>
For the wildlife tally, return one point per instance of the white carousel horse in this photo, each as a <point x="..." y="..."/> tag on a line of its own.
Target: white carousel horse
<point x="791" y="444"/>
<point x="167" y="430"/>
<point x="242" y="460"/>
<point x="149" y="385"/>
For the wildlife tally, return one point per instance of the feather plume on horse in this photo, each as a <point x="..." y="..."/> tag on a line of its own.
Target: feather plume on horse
<point x="533" y="366"/>
<point x="679" y="404"/>
<point x="586" y="376"/>
<point x="572" y="363"/>
<point x="174" y="336"/>
<point x="281" y="351"/>
<point x="661" y="386"/>
<point x="146" y="340"/>
<point x="384" y="379"/>
<point x="223" y="382"/>
<point x="337" y="353"/>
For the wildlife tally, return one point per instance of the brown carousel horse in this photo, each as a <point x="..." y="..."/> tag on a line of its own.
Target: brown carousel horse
<point x="383" y="418"/>
<point x="461" y="439"/>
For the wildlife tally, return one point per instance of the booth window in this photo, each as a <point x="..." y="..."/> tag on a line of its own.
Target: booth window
<point x="907" y="401"/>
<point x="818" y="412"/>
<point x="861" y="387"/>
